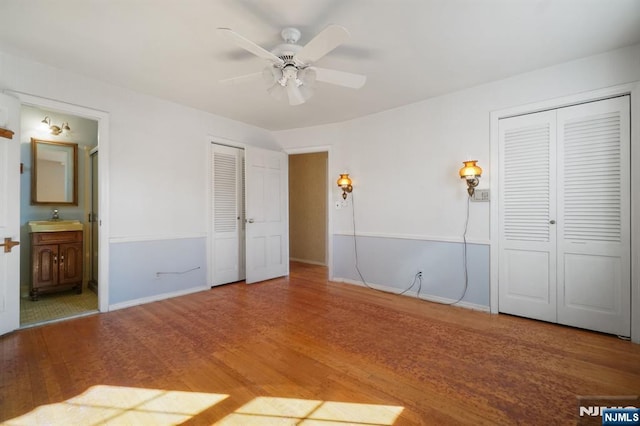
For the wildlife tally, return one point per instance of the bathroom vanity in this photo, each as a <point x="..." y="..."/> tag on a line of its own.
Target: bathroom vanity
<point x="56" y="256"/>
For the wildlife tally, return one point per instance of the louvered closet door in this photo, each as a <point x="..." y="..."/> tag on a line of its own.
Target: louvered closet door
<point x="527" y="273"/>
<point x="594" y="216"/>
<point x="228" y="217"/>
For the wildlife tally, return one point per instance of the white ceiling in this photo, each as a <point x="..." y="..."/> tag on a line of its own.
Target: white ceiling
<point x="409" y="49"/>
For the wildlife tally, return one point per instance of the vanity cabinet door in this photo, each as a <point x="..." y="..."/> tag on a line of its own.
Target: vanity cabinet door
<point x="56" y="262"/>
<point x="70" y="263"/>
<point x="45" y="265"/>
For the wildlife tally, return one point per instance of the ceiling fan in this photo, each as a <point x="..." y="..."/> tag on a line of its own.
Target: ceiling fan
<point x="290" y="72"/>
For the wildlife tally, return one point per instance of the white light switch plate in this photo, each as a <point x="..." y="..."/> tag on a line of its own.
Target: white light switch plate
<point x="481" y="195"/>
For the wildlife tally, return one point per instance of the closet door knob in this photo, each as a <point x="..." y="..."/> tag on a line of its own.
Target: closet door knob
<point x="553" y="222"/>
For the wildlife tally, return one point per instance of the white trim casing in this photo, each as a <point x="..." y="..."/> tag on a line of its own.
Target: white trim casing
<point x="632" y="89"/>
<point x="635" y="214"/>
<point x="102" y="117"/>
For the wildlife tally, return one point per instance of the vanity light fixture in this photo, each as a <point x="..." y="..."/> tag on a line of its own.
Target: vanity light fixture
<point x="344" y="182"/>
<point x="471" y="173"/>
<point x="53" y="129"/>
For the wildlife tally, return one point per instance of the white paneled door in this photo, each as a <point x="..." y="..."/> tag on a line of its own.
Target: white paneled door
<point x="267" y="224"/>
<point x="228" y="214"/>
<point x="9" y="215"/>
<point x="564" y="216"/>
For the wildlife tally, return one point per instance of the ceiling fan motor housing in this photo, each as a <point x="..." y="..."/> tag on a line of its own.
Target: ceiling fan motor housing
<point x="290" y="35"/>
<point x="286" y="52"/>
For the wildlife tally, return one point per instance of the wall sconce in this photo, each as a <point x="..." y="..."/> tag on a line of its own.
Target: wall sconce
<point x="344" y="182"/>
<point x="53" y="129"/>
<point x="471" y="173"/>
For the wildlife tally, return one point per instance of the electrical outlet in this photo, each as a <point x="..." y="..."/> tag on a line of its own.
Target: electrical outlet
<point x="419" y="274"/>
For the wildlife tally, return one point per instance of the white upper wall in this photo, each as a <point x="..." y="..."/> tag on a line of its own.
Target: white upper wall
<point x="405" y="161"/>
<point x="157" y="149"/>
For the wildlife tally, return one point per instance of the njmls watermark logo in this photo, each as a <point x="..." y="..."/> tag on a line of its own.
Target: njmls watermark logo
<point x="609" y="410"/>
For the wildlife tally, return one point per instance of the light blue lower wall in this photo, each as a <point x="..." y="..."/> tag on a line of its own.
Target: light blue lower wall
<point x="393" y="262"/>
<point x="134" y="267"/>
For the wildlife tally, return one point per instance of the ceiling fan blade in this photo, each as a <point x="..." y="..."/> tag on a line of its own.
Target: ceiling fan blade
<point x="242" y="79"/>
<point x="248" y="45"/>
<point x="327" y="40"/>
<point x="294" y="93"/>
<point x="340" y="78"/>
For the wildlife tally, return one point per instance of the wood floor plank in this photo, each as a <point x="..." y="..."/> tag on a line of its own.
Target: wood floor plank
<point x="302" y="340"/>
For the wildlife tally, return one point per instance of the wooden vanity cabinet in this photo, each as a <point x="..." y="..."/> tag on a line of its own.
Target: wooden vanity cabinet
<point x="56" y="262"/>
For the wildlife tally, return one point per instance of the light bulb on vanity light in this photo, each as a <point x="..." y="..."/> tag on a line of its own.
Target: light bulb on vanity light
<point x="45" y="125"/>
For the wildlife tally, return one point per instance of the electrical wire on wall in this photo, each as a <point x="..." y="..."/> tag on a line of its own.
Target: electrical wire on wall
<point x="418" y="275"/>
<point x="464" y="259"/>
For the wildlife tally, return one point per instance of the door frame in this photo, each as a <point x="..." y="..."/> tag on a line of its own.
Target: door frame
<point x="632" y="89"/>
<point x="330" y="191"/>
<point x="102" y="118"/>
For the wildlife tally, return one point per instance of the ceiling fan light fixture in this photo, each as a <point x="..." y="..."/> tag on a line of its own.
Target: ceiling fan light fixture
<point x="307" y="76"/>
<point x="271" y="75"/>
<point x="288" y="73"/>
<point x="294" y="92"/>
<point x="306" y="91"/>
<point x="278" y="92"/>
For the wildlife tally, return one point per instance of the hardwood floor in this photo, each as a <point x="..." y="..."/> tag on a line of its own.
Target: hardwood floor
<point x="301" y="350"/>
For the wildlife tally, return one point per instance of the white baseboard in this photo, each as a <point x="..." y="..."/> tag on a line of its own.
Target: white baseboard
<point x="310" y="262"/>
<point x="411" y="293"/>
<point x="157" y="297"/>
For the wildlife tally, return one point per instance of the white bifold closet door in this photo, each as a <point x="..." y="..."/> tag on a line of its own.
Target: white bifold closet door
<point x="564" y="216"/>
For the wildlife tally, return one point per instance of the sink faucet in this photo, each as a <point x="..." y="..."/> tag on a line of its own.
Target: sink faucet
<point x="55" y="215"/>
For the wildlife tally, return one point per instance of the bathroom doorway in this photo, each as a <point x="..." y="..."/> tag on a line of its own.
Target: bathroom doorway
<point x="37" y="123"/>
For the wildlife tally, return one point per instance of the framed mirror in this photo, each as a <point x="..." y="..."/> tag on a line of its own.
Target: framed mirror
<point x="54" y="173"/>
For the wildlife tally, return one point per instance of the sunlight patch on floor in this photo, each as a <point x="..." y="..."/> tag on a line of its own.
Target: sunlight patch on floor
<point x="116" y="405"/>
<point x="291" y="411"/>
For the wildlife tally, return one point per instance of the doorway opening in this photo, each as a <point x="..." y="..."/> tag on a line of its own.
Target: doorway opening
<point x="308" y="208"/>
<point x="58" y="301"/>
